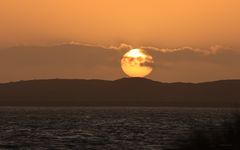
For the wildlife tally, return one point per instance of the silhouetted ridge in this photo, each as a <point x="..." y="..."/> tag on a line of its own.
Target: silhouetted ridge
<point x="122" y="92"/>
<point x="136" y="80"/>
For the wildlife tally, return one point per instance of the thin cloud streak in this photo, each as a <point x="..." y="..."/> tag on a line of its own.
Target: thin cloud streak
<point x="124" y="46"/>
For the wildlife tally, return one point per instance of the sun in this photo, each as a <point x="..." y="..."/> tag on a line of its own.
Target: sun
<point x="137" y="63"/>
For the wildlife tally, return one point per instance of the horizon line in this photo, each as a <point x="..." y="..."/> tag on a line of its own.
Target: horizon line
<point x="93" y="79"/>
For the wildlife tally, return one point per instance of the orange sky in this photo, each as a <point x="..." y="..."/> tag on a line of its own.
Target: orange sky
<point x="162" y="24"/>
<point x="147" y="22"/>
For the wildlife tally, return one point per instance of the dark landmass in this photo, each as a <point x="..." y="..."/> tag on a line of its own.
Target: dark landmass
<point x="122" y="92"/>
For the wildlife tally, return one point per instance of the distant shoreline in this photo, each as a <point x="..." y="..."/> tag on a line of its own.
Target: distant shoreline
<point x="126" y="92"/>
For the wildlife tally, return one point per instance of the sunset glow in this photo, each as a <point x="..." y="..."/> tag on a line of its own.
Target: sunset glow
<point x="191" y="41"/>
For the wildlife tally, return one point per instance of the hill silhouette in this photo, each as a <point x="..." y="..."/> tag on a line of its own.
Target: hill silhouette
<point x="122" y="92"/>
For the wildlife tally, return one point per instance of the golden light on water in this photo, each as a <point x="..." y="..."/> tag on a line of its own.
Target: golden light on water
<point x="137" y="63"/>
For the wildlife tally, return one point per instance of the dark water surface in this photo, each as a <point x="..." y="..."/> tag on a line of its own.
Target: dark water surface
<point x="102" y="127"/>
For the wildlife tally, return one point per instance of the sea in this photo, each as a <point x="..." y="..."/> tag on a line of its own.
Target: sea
<point x="110" y="128"/>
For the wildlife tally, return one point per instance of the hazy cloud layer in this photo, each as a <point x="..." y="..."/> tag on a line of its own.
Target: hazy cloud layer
<point x="74" y="60"/>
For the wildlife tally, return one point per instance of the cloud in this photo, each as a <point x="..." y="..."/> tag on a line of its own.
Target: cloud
<point x="77" y="60"/>
<point x="214" y="49"/>
<point x="211" y="50"/>
<point x="121" y="46"/>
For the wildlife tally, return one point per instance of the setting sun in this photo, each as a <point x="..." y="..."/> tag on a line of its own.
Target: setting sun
<point x="137" y="63"/>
